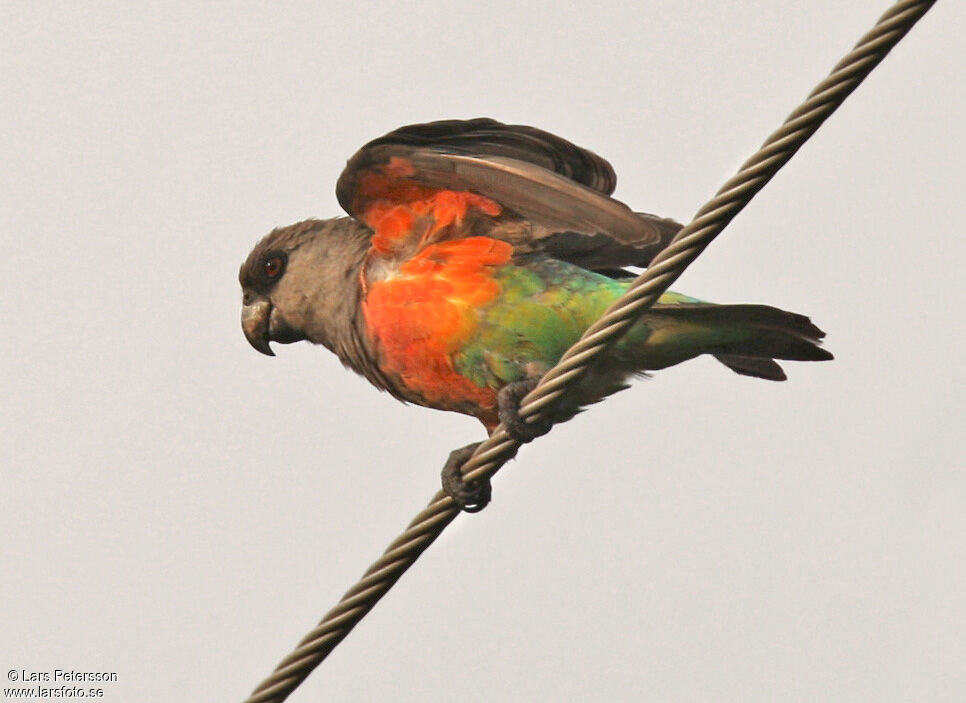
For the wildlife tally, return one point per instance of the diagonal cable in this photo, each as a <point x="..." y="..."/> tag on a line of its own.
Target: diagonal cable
<point x="666" y="267"/>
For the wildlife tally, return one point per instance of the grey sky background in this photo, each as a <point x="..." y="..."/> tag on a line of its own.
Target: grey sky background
<point x="181" y="510"/>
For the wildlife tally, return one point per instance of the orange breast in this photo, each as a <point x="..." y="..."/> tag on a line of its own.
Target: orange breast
<point x="422" y="315"/>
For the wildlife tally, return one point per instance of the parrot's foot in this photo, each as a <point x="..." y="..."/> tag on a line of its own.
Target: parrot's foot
<point x="509" y="399"/>
<point x="471" y="496"/>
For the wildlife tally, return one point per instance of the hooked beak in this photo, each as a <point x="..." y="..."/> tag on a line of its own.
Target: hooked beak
<point x="255" y="319"/>
<point x="263" y="323"/>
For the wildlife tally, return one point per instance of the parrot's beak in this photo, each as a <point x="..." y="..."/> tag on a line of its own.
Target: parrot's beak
<point x="262" y="323"/>
<point x="255" y="319"/>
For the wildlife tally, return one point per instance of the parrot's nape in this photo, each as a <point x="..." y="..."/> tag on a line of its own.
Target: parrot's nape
<point x="475" y="253"/>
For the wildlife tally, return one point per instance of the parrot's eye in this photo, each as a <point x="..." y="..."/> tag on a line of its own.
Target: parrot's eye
<point x="273" y="265"/>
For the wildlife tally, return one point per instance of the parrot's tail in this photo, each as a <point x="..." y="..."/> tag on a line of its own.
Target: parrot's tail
<point x="745" y="338"/>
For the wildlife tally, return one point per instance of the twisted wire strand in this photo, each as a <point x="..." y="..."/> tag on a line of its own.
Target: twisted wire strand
<point x="666" y="267"/>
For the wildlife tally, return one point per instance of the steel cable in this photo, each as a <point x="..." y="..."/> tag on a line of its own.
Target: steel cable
<point x="666" y="267"/>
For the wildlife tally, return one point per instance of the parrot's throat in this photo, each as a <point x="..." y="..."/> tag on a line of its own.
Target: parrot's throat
<point x="326" y="303"/>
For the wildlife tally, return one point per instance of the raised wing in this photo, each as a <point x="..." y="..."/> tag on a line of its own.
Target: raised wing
<point x="522" y="174"/>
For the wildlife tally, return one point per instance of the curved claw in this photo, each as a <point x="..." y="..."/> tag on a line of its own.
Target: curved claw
<point x="516" y="427"/>
<point x="471" y="496"/>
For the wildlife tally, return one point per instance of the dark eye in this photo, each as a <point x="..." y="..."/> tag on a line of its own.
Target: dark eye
<point x="273" y="266"/>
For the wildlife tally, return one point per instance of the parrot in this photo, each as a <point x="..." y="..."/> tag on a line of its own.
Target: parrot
<point x="473" y="255"/>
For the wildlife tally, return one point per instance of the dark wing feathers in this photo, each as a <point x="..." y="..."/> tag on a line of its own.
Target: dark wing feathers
<point x="599" y="252"/>
<point x="560" y="189"/>
<point x="484" y="137"/>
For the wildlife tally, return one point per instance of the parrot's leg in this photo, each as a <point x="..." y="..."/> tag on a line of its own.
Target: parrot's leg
<point x="516" y="427"/>
<point x="472" y="496"/>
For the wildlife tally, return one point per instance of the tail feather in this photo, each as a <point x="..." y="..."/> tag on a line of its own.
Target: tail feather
<point x="748" y="338"/>
<point x="751" y="366"/>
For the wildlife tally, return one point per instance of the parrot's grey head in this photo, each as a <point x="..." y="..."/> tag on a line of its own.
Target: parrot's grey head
<point x="301" y="283"/>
